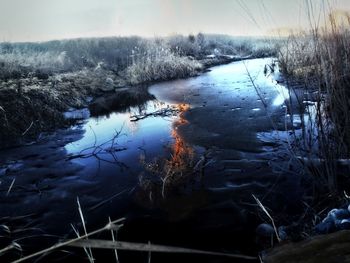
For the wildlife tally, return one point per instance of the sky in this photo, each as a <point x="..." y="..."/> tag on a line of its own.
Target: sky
<point x="41" y="20"/>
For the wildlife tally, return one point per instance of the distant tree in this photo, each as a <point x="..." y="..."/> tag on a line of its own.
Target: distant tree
<point x="201" y="42"/>
<point x="191" y="38"/>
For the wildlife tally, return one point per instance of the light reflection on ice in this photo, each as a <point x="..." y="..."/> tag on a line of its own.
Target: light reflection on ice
<point x="282" y="96"/>
<point x="132" y="134"/>
<point x="282" y="91"/>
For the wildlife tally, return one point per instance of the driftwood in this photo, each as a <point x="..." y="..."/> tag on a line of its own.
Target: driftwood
<point x="165" y="112"/>
<point x="109" y="226"/>
<point x="83" y="242"/>
<point x="331" y="248"/>
<point x="106" y="244"/>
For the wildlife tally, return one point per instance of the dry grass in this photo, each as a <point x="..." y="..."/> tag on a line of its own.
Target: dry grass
<point x="82" y="241"/>
<point x="18" y="60"/>
<point x="269" y="216"/>
<point x="159" y="63"/>
<point x="320" y="61"/>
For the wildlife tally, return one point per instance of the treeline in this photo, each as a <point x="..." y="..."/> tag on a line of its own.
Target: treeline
<point x="18" y="60"/>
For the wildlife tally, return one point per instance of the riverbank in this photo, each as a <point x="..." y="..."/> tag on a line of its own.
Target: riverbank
<point x="32" y="105"/>
<point x="315" y="67"/>
<point x="41" y="81"/>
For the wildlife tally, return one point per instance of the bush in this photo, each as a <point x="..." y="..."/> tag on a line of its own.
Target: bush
<point x="66" y="55"/>
<point x="160" y="63"/>
<point x="202" y="45"/>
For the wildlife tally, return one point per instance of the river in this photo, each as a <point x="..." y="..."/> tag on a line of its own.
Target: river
<point x="229" y="121"/>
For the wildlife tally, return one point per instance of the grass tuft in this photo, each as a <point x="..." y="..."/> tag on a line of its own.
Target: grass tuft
<point x="319" y="61"/>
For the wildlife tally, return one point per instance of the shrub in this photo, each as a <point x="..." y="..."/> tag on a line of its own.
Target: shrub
<point x="159" y="63"/>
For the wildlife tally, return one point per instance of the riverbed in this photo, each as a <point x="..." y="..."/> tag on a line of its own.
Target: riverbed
<point x="233" y="115"/>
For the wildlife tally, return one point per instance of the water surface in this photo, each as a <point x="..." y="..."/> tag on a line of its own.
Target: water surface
<point x="230" y="114"/>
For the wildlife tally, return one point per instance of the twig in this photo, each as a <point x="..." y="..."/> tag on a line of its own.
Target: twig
<point x="89" y="252"/>
<point x="78" y="235"/>
<point x="161" y="112"/>
<point x="30" y="126"/>
<point x="109" y="199"/>
<point x="149" y="253"/>
<point x="13" y="245"/>
<point x="107" y="244"/>
<point x="68" y="242"/>
<point x="269" y="216"/>
<point x="114" y="239"/>
<point x="10" y="188"/>
<point x="3" y="110"/>
<point x="97" y="150"/>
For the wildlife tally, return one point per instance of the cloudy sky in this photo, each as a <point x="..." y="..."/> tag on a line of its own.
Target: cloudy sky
<point x="39" y="20"/>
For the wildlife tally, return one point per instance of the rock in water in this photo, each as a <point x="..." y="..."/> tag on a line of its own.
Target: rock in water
<point x="337" y="219"/>
<point x="326" y="226"/>
<point x="344" y="224"/>
<point x="282" y="232"/>
<point x="265" y="230"/>
<point x="339" y="214"/>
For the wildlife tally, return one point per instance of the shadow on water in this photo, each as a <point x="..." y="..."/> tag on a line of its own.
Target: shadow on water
<point x="120" y="101"/>
<point x="119" y="161"/>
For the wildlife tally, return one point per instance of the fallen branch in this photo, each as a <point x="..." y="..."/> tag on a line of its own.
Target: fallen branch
<point x="166" y="112"/>
<point x="81" y="241"/>
<point x="106" y="244"/>
<point x="68" y="242"/>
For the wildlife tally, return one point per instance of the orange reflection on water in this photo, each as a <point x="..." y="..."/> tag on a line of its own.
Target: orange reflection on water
<point x="182" y="108"/>
<point x="182" y="154"/>
<point x="173" y="171"/>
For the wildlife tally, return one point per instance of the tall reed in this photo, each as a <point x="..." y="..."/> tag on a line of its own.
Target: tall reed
<point x="319" y="60"/>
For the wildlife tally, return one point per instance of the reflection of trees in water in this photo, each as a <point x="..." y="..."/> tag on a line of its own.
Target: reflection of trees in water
<point x="164" y="175"/>
<point x="182" y="154"/>
<point x="142" y="110"/>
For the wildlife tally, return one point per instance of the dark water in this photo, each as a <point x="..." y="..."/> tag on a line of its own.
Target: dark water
<point x="238" y="124"/>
